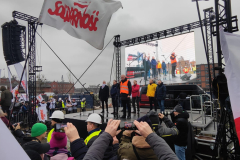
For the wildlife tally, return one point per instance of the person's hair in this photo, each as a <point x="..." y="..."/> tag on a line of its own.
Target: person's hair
<point x="115" y="80"/>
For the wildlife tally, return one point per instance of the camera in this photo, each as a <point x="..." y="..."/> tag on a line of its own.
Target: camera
<point x="60" y="127"/>
<point x="15" y="124"/>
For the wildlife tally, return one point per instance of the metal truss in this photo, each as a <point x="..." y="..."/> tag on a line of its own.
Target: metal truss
<point x="162" y="34"/>
<point x="32" y="25"/>
<point x="226" y="138"/>
<point x="117" y="51"/>
<point x="208" y="13"/>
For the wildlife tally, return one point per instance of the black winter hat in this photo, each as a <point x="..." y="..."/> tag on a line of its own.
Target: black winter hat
<point x="145" y="119"/>
<point x="178" y="108"/>
<point x="36" y="146"/>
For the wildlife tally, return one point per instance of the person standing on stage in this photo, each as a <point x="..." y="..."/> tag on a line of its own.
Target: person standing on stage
<point x="135" y="96"/>
<point x="104" y="95"/>
<point x="145" y="66"/>
<point x="114" y="96"/>
<point x="74" y="104"/>
<point x="174" y="63"/>
<point x="160" y="95"/>
<point x="153" y="66"/>
<point x="52" y="106"/>
<point x="164" y="68"/>
<point x="125" y="93"/>
<point x="148" y="66"/>
<point x="159" y="67"/>
<point x="6" y="100"/>
<point x="151" y="89"/>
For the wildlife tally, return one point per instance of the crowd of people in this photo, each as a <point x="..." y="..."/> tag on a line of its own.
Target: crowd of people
<point x="146" y="141"/>
<point x="149" y="139"/>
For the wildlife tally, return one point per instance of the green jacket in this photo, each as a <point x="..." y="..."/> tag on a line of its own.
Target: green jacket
<point x="143" y="149"/>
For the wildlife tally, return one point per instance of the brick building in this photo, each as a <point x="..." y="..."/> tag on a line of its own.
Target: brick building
<point x="56" y="87"/>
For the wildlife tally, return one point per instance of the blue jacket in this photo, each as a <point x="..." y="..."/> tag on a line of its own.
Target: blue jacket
<point x="160" y="93"/>
<point x="114" y="91"/>
<point x="153" y="63"/>
<point x="164" y="65"/>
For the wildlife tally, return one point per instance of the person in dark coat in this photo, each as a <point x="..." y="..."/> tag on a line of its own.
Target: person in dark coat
<point x="164" y="68"/>
<point x="114" y="95"/>
<point x="148" y="64"/>
<point x="145" y="66"/>
<point x="160" y="95"/>
<point x="104" y="95"/>
<point x="153" y="66"/>
<point x="180" y="119"/>
<point x="6" y="100"/>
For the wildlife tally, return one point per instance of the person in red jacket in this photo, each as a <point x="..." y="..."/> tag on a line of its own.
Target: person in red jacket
<point x="135" y="96"/>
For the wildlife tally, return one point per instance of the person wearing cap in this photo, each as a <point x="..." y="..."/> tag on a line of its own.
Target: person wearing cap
<point x="58" y="147"/>
<point x="60" y="105"/>
<point x="93" y="127"/>
<point x="180" y="119"/>
<point x="57" y="117"/>
<point x="38" y="133"/>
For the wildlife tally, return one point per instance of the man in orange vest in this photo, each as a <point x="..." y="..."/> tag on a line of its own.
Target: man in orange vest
<point x="174" y="63"/>
<point x="125" y="93"/>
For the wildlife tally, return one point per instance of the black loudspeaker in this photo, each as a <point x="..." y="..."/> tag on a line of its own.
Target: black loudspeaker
<point x="14" y="42"/>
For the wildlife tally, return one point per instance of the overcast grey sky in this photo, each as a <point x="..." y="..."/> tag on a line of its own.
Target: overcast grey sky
<point x="138" y="17"/>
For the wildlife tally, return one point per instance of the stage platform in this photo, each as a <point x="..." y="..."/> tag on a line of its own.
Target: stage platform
<point x="143" y="111"/>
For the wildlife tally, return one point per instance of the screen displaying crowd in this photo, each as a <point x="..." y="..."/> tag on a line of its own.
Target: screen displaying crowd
<point x="169" y="59"/>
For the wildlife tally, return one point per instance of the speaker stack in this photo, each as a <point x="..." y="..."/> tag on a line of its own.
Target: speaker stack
<point x="14" y="42"/>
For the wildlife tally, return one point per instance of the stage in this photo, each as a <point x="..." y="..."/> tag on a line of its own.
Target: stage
<point x="168" y="79"/>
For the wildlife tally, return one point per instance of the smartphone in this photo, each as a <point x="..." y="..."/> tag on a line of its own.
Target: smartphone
<point x="15" y="124"/>
<point x="129" y="126"/>
<point x="60" y="127"/>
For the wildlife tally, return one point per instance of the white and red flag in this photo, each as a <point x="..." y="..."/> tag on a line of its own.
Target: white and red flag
<point x="19" y="70"/>
<point x="230" y="49"/>
<point x="40" y="98"/>
<point x="83" y="19"/>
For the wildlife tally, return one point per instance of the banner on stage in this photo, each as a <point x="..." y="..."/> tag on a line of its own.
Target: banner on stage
<point x="83" y="19"/>
<point x="230" y="49"/>
<point x="42" y="113"/>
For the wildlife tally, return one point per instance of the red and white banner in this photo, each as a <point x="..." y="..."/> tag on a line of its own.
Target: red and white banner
<point x="40" y="98"/>
<point x="15" y="93"/>
<point x="83" y="19"/>
<point x="230" y="49"/>
<point x="42" y="113"/>
<point x="19" y="70"/>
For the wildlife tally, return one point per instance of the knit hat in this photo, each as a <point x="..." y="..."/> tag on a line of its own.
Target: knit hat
<point x="145" y="119"/>
<point x="38" y="129"/>
<point x="178" y="108"/>
<point x="58" y="140"/>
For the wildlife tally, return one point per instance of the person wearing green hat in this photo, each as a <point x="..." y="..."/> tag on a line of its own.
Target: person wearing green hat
<point x="39" y="131"/>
